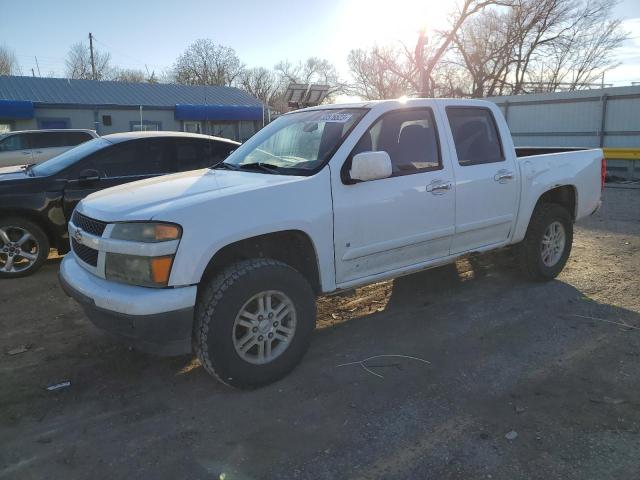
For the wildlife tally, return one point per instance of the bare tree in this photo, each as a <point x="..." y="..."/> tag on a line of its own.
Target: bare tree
<point x="312" y="70"/>
<point x="78" y="63"/>
<point x="583" y="52"/>
<point x="8" y="62"/>
<point x="483" y="47"/>
<point x="129" y="75"/>
<point x="372" y="80"/>
<point x="260" y="82"/>
<point x="207" y="63"/>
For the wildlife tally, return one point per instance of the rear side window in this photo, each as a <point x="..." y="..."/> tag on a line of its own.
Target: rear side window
<point x="13" y="143"/>
<point x="195" y="154"/>
<point x="76" y="138"/>
<point x="475" y="135"/>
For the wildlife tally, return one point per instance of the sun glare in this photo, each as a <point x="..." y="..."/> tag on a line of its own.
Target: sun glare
<point x="369" y="22"/>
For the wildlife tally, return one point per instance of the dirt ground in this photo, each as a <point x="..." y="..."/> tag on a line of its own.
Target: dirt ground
<point x="553" y="367"/>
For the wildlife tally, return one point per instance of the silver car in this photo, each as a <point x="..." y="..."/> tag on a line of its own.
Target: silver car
<point x="36" y="146"/>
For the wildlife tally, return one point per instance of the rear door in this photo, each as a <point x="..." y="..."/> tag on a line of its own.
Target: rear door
<point x="486" y="177"/>
<point x="15" y="150"/>
<point x="121" y="163"/>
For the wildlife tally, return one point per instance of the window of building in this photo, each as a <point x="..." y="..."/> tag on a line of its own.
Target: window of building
<point x="145" y="126"/>
<point x="53" y="123"/>
<point x="408" y="136"/>
<point x="106" y="120"/>
<point x="5" y="127"/>
<point x="225" y="130"/>
<point x="475" y="135"/>
<point x="192" y="127"/>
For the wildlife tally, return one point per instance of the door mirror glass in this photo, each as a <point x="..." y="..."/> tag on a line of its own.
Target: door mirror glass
<point x="89" y="175"/>
<point x="367" y="166"/>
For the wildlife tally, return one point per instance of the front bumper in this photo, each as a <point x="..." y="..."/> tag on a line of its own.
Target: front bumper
<point x="158" y="321"/>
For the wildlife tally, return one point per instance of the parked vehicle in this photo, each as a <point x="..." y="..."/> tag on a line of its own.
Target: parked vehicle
<point x="36" y="201"/>
<point x="228" y="261"/>
<point x="35" y="146"/>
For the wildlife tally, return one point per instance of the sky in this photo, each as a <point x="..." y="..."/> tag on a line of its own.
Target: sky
<point x="144" y="34"/>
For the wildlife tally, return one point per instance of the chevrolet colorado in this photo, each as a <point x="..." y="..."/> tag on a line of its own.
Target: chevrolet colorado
<point x="227" y="262"/>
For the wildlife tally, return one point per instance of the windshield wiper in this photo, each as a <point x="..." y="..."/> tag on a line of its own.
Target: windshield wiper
<point x="227" y="166"/>
<point x="27" y="168"/>
<point x="267" y="167"/>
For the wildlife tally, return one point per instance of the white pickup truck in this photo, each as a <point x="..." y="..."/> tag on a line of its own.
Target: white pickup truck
<point x="227" y="262"/>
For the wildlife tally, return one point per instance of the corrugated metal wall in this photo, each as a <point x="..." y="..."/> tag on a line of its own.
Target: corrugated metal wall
<point x="608" y="117"/>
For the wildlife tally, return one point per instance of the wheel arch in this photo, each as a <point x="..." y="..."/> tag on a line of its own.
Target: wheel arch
<point x="293" y="247"/>
<point x="564" y="195"/>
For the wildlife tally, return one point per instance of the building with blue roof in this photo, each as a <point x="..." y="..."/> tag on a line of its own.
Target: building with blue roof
<point x="28" y="103"/>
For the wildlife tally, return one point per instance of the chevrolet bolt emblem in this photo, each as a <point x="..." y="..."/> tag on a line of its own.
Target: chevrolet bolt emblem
<point x="78" y="236"/>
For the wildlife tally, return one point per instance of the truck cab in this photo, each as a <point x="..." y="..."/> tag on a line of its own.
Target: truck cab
<point x="228" y="261"/>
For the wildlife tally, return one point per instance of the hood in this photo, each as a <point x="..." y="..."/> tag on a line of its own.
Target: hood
<point x="16" y="172"/>
<point x="147" y="199"/>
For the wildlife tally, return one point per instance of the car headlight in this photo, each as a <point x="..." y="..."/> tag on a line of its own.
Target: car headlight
<point x="151" y="270"/>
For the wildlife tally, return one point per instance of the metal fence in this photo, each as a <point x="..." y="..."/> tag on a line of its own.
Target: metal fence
<point x="608" y="118"/>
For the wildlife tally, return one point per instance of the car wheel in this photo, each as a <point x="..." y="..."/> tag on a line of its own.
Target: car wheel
<point x="24" y="247"/>
<point x="254" y="322"/>
<point x="546" y="247"/>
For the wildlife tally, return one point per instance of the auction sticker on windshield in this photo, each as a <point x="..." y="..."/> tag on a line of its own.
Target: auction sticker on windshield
<point x="336" y="117"/>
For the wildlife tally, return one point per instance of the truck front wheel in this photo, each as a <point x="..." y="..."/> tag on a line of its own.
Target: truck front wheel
<point x="546" y="247"/>
<point x="254" y="322"/>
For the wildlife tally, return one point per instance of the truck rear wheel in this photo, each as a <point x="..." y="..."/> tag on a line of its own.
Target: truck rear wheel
<point x="254" y="322"/>
<point x="546" y="247"/>
<point x="24" y="247"/>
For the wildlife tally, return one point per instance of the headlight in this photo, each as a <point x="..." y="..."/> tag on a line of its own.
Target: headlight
<point x="151" y="270"/>
<point x="146" y="232"/>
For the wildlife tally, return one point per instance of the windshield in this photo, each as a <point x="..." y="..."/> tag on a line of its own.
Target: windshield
<point x="60" y="162"/>
<point x="296" y="142"/>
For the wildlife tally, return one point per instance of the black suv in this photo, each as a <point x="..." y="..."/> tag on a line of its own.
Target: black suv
<point x="36" y="201"/>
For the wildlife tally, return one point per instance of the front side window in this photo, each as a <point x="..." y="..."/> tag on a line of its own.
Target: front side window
<point x="13" y="143"/>
<point x="297" y="142"/>
<point x="128" y="159"/>
<point x="408" y="136"/>
<point x="475" y="135"/>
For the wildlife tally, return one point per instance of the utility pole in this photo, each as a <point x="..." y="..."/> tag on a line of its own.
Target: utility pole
<point x="38" y="66"/>
<point x="33" y="74"/>
<point x="93" y="63"/>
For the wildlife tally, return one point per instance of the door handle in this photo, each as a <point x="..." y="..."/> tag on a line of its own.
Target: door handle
<point x="438" y="187"/>
<point x="503" y="175"/>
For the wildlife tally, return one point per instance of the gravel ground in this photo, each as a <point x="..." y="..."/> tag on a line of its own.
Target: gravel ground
<point x="525" y="381"/>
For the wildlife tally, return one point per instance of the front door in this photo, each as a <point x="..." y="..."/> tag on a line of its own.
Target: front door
<point x="121" y="163"/>
<point x="406" y="219"/>
<point x="487" y="188"/>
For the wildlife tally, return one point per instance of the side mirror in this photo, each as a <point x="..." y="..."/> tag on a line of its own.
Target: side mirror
<point x="89" y="175"/>
<point x="367" y="166"/>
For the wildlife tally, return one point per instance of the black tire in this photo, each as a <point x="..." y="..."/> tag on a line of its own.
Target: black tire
<point x="39" y="244"/>
<point x="529" y="251"/>
<point x="221" y="299"/>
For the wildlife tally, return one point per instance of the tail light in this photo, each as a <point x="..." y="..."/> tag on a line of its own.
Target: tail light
<point x="603" y="173"/>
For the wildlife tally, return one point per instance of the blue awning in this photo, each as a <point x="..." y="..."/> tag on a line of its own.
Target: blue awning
<point x="218" y="112"/>
<point x="16" y="109"/>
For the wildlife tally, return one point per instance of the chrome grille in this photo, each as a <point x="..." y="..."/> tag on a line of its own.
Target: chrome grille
<point x="89" y="225"/>
<point x="86" y="254"/>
